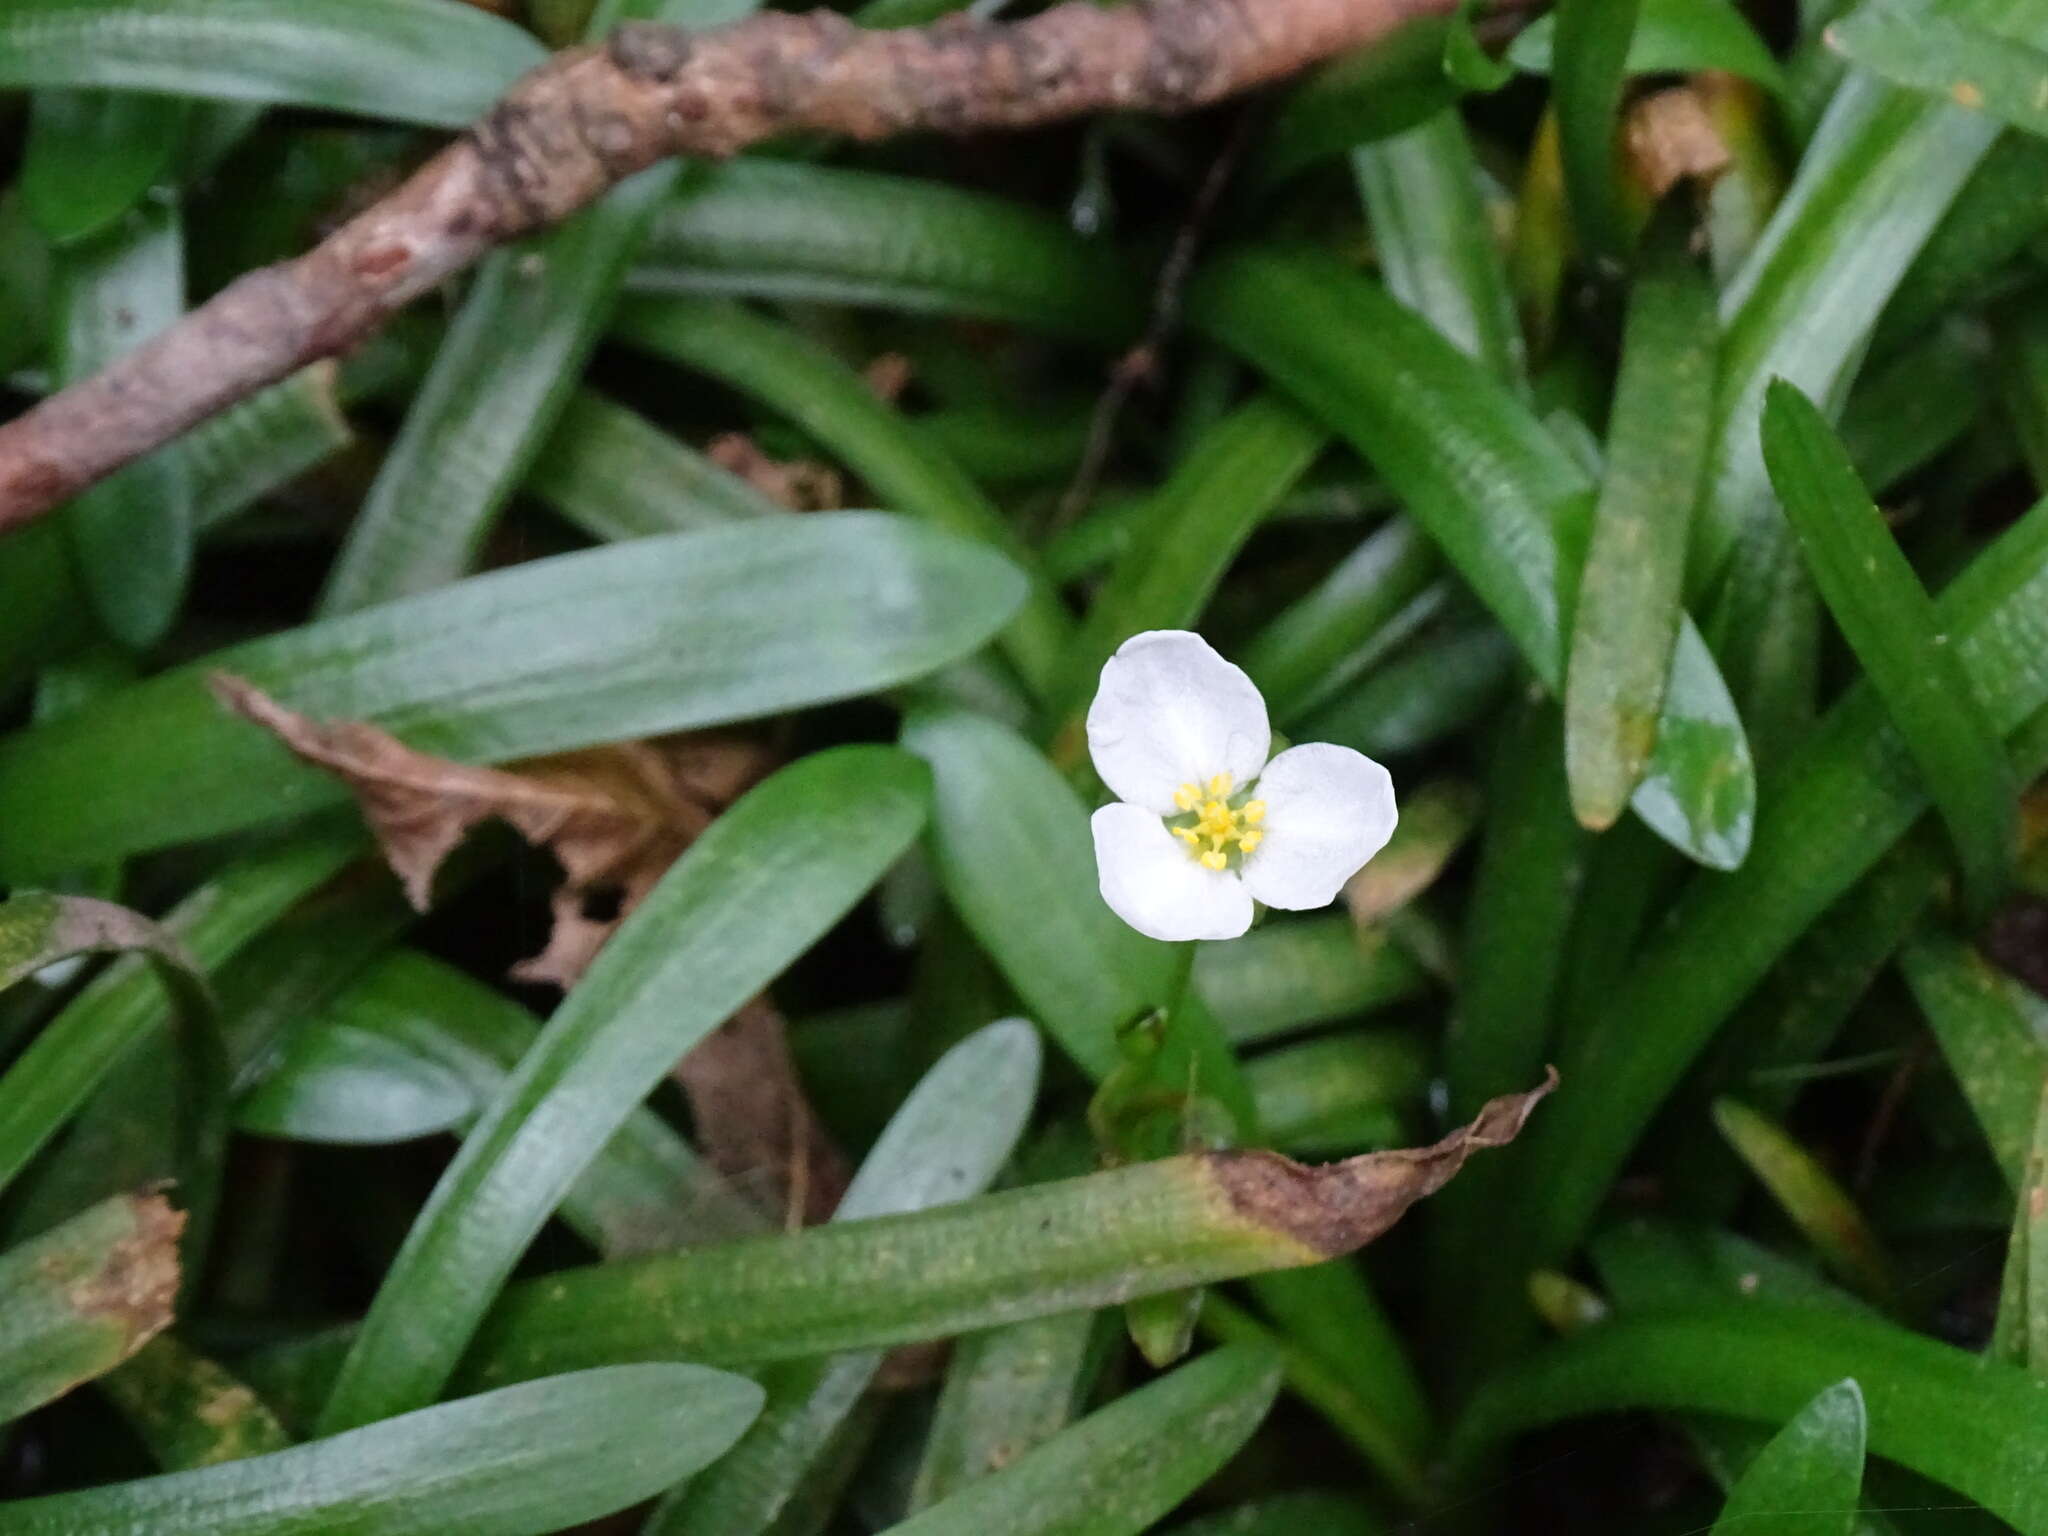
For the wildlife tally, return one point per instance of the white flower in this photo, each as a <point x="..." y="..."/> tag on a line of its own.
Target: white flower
<point x="1204" y="824"/>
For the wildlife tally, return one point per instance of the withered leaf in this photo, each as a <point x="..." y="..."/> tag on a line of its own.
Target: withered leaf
<point x="802" y="485"/>
<point x="1337" y="1207"/>
<point x="615" y="817"/>
<point x="753" y="1120"/>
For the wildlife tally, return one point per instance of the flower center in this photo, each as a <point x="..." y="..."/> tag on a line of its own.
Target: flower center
<point x="1219" y="828"/>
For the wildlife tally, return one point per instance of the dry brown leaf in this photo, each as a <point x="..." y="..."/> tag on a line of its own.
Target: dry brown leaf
<point x="1671" y="138"/>
<point x="615" y="817"/>
<point x="888" y="376"/>
<point x="802" y="485"/>
<point x="753" y="1121"/>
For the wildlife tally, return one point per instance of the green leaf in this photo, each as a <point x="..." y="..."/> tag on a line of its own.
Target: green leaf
<point x="1807" y="1480"/>
<point x="1592" y="43"/>
<point x="752" y="894"/>
<point x="1438" y="249"/>
<point x="347" y="1086"/>
<point x="264" y="442"/>
<point x="645" y="1192"/>
<point x="794" y="375"/>
<point x="948" y="1142"/>
<point x="616" y="475"/>
<point x="1977" y="67"/>
<point x="131" y="534"/>
<point x="605" y="645"/>
<point x="1929" y="1404"/>
<point x="1487" y="481"/>
<point x="1841" y="801"/>
<point x="2001" y="207"/>
<point x="188" y="1410"/>
<point x="1374" y="92"/>
<point x="83" y="1297"/>
<point x="38" y="929"/>
<point x="520" y="1462"/>
<point x="1629" y="609"/>
<point x="1891" y="625"/>
<point x="410" y="60"/>
<point x="1449" y="677"/>
<point x="1324" y="640"/>
<point x="1193" y="529"/>
<point x="1120" y="1469"/>
<point x="1011" y="842"/>
<point x="1466" y="61"/>
<point x="1814" y="1201"/>
<point x="1993" y="1032"/>
<point x="779" y="229"/>
<point x="2021" y="1332"/>
<point x="1290" y="973"/>
<point x="1340" y="1094"/>
<point x="1670" y="37"/>
<point x="91" y="155"/>
<point x="50" y="1080"/>
<point x="1289" y="1514"/>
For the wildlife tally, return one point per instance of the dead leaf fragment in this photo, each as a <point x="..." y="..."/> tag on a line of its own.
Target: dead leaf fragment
<point x="1671" y="137"/>
<point x="1338" y="1207"/>
<point x="136" y="1283"/>
<point x="753" y="1120"/>
<point x="802" y="485"/>
<point x="615" y="817"/>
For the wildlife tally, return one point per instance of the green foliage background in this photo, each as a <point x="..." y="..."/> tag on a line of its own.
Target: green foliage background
<point x="1717" y="784"/>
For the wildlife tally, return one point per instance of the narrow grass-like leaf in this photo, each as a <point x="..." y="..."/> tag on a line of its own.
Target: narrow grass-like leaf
<point x="1437" y="247"/>
<point x="188" y="1410"/>
<point x="1323" y="640"/>
<point x="1287" y="975"/>
<point x="769" y="877"/>
<point x="346" y="1086"/>
<point x="762" y="228"/>
<point x="24" y="284"/>
<point x="520" y="1462"/>
<point x="39" y="929"/>
<point x="830" y="401"/>
<point x="1669" y="37"/>
<point x="1193" y="530"/>
<point x="1136" y="1230"/>
<point x="1011" y="843"/>
<point x="1591" y="42"/>
<point x="132" y="533"/>
<point x="1917" y="403"/>
<point x="1993" y="1032"/>
<point x="83" y="1297"/>
<point x="1805" y="1482"/>
<point x="1812" y="1198"/>
<point x="1450" y="676"/>
<point x="252" y="449"/>
<point x="1380" y="90"/>
<point x="948" y="1142"/>
<point x="48" y="1083"/>
<point x="1338" y="1095"/>
<point x="1120" y="1469"/>
<point x="1629" y="609"/>
<point x="1847" y="795"/>
<point x="1890" y="623"/>
<point x="1487" y="481"/>
<point x="1927" y="1403"/>
<point x="616" y="475"/>
<point x="1944" y="55"/>
<point x="2021" y="1332"/>
<point x="410" y="60"/>
<point x="605" y="645"/>
<point x="645" y="1192"/>
<point x="91" y="155"/>
<point x="2002" y="206"/>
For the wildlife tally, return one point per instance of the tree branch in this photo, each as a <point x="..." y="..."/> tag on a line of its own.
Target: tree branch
<point x="592" y="116"/>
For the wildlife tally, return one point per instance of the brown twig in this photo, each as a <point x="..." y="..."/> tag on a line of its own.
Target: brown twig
<point x="592" y="116"/>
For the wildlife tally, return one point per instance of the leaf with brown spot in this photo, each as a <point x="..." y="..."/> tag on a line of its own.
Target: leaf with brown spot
<point x="78" y="1300"/>
<point x="38" y="928"/>
<point x="1671" y="137"/>
<point x="615" y="817"/>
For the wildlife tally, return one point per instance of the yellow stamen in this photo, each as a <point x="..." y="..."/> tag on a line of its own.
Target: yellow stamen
<point x="1250" y="840"/>
<point x="1220" y="785"/>
<point x="1189" y="836"/>
<point x="1217" y="832"/>
<point x="1215" y="859"/>
<point x="1254" y="811"/>
<point x="1186" y="796"/>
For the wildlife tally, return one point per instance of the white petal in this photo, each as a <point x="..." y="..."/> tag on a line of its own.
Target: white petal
<point x="1328" y="810"/>
<point x="1152" y="882"/>
<point x="1170" y="711"/>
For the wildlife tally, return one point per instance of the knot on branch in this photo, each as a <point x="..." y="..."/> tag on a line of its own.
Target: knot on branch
<point x="650" y="50"/>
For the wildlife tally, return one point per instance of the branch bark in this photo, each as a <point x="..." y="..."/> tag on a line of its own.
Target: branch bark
<point x="592" y="116"/>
